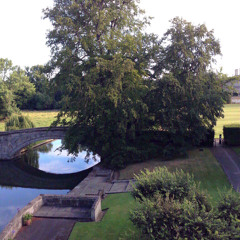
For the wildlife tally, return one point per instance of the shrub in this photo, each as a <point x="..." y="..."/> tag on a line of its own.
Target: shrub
<point x="166" y="218"/>
<point x="178" y="185"/>
<point x="16" y="122"/>
<point x="229" y="207"/>
<point x="231" y="134"/>
<point x="171" y="206"/>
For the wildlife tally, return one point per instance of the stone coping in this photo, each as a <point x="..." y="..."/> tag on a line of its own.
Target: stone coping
<point x="69" y="201"/>
<point x="27" y="130"/>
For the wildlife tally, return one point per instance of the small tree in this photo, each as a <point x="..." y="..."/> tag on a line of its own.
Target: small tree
<point x="16" y="122"/>
<point x="7" y="101"/>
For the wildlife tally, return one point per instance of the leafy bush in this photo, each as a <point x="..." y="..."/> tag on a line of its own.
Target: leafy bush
<point x="178" y="185"/>
<point x="171" y="206"/>
<point x="16" y="122"/>
<point x="231" y="134"/>
<point x="229" y="207"/>
<point x="166" y="218"/>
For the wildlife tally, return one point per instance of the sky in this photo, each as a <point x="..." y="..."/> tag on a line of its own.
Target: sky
<point x="23" y="29"/>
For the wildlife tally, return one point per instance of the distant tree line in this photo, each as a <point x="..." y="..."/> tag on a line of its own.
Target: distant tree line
<point x="25" y="89"/>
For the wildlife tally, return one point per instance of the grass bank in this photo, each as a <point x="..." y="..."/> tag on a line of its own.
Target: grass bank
<point x="39" y="118"/>
<point x="202" y="164"/>
<point x="231" y="115"/>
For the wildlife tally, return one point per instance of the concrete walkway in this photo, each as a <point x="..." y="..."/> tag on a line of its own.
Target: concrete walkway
<point x="101" y="180"/>
<point x="230" y="163"/>
<point x="45" y="228"/>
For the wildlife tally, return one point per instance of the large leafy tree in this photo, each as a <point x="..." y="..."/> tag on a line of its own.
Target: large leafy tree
<point x="44" y="98"/>
<point x="7" y="98"/>
<point x="188" y="97"/>
<point x="102" y="61"/>
<point x="23" y="89"/>
<point x="7" y="101"/>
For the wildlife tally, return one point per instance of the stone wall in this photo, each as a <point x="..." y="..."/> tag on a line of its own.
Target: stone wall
<point x="91" y="203"/>
<point x="12" y="142"/>
<point x="68" y="201"/>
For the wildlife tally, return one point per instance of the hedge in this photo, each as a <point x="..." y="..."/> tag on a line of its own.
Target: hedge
<point x="231" y="134"/>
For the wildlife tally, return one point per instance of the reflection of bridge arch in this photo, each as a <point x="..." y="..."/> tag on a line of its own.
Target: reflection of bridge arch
<point x="12" y="142"/>
<point x="19" y="174"/>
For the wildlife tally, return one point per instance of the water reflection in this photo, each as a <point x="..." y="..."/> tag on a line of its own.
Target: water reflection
<point x="44" y="170"/>
<point x="51" y="158"/>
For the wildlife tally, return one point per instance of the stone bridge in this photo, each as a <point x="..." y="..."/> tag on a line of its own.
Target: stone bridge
<point x="12" y="142"/>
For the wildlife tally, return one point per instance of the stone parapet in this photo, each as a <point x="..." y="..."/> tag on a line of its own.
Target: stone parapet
<point x="13" y="141"/>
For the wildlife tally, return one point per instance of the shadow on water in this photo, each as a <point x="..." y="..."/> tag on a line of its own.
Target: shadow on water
<point x="18" y="173"/>
<point x="38" y="171"/>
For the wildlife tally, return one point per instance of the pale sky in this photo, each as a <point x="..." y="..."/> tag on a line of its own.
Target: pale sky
<point x="23" y="31"/>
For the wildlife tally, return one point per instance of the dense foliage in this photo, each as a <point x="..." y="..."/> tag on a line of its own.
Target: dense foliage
<point x="188" y="98"/>
<point x="177" y="185"/>
<point x="25" y="89"/>
<point x="16" y="122"/>
<point x="101" y="56"/>
<point x="116" y="80"/>
<point x="171" y="206"/>
<point x="231" y="134"/>
<point x="7" y="101"/>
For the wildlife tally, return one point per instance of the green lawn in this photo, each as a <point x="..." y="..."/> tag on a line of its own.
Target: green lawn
<point x="39" y="118"/>
<point x="202" y="165"/>
<point x="115" y="223"/>
<point x="231" y="115"/>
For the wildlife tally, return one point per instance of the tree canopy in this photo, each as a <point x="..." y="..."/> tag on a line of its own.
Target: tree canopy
<point x="188" y="97"/>
<point x="116" y="80"/>
<point x="102" y="59"/>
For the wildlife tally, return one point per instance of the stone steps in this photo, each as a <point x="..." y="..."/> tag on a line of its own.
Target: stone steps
<point x="83" y="214"/>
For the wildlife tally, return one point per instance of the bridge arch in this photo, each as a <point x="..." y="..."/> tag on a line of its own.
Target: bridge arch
<point x="13" y="141"/>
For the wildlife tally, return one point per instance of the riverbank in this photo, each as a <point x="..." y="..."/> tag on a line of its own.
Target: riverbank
<point x="99" y="181"/>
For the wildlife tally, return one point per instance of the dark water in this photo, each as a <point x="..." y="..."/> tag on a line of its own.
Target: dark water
<point x="41" y="171"/>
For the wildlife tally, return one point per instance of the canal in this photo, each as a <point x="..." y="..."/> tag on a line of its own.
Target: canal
<point x="43" y="170"/>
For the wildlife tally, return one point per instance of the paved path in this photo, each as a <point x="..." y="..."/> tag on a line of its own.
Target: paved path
<point x="100" y="179"/>
<point x="46" y="229"/>
<point x="230" y="163"/>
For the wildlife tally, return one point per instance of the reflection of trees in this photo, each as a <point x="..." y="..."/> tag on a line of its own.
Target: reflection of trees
<point x="31" y="158"/>
<point x="5" y="187"/>
<point x="89" y="155"/>
<point x="45" y="148"/>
